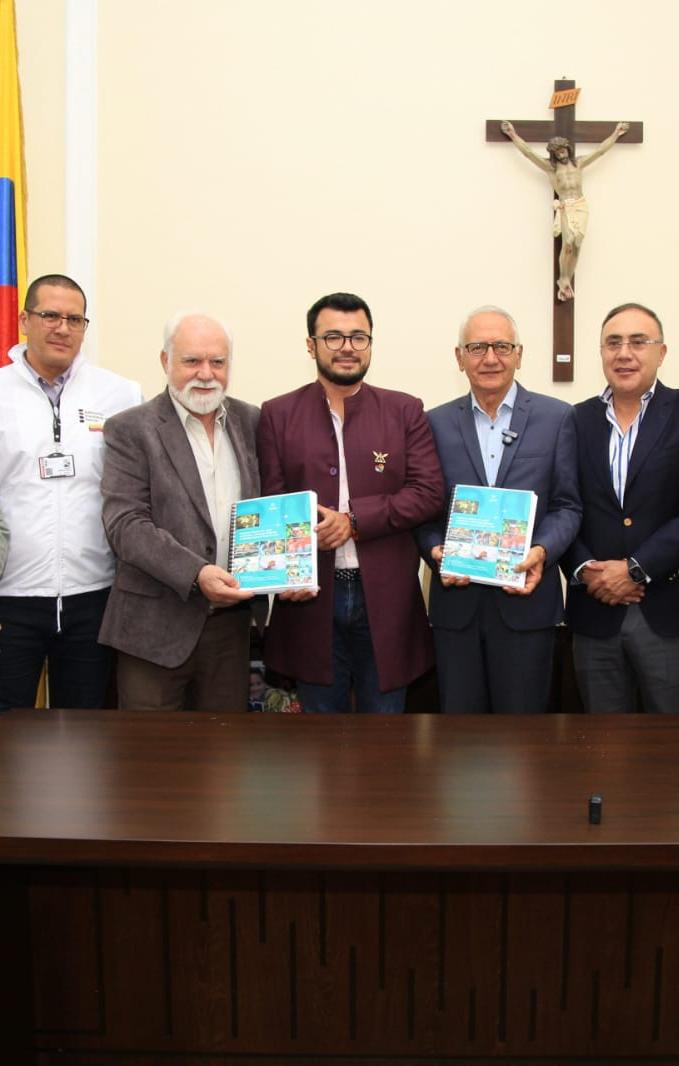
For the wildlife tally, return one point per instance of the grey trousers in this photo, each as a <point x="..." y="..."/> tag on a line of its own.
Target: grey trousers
<point x="613" y="671"/>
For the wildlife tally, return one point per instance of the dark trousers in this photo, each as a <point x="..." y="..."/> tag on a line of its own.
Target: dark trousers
<point x="215" y="676"/>
<point x="489" y="668"/>
<point x="78" y="666"/>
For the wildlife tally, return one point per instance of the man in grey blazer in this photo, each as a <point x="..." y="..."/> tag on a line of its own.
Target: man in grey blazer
<point x="173" y="469"/>
<point x="494" y="646"/>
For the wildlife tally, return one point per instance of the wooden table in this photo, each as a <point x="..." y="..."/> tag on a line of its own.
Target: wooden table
<point x="201" y="889"/>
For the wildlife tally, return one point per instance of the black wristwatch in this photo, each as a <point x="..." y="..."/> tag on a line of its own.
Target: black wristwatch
<point x="635" y="572"/>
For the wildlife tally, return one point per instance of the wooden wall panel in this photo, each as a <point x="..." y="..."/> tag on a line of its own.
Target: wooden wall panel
<point x="652" y="977"/>
<point x="199" y="960"/>
<point x="135" y="959"/>
<point x="310" y="965"/>
<point x="278" y="953"/>
<point x="471" y="991"/>
<point x="124" y="1059"/>
<point x="16" y="1001"/>
<point x="537" y="961"/>
<point x="66" y="935"/>
<point x="412" y="962"/>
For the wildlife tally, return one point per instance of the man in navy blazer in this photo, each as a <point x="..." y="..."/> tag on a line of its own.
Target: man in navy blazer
<point x="494" y="646"/>
<point x="623" y="597"/>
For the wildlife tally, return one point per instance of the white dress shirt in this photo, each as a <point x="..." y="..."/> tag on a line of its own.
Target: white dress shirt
<point x="219" y="473"/>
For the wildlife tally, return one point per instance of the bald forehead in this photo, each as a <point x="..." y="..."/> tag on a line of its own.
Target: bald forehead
<point x="201" y="332"/>
<point x="490" y="326"/>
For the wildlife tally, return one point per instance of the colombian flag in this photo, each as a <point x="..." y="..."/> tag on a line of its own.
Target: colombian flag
<point x="12" y="186"/>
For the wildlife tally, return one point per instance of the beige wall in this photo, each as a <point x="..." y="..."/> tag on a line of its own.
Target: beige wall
<point x="253" y="156"/>
<point x="40" y="33"/>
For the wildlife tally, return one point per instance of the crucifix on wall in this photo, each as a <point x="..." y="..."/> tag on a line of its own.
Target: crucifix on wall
<point x="570" y="207"/>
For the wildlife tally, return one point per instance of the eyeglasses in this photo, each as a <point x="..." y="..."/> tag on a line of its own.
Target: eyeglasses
<point x="335" y="341"/>
<point x="479" y="348"/>
<point x="52" y="319"/>
<point x="637" y="343"/>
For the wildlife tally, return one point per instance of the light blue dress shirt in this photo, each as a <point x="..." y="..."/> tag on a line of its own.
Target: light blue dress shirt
<point x="490" y="433"/>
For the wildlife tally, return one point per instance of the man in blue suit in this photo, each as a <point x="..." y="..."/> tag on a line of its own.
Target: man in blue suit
<point x="623" y="596"/>
<point x="494" y="647"/>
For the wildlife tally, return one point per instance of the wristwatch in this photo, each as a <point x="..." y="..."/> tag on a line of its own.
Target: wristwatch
<point x="636" y="573"/>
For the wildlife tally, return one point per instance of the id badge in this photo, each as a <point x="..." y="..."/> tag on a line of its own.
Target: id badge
<point x="56" y="465"/>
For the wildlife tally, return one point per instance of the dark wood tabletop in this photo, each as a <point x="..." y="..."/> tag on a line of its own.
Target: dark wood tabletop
<point x="413" y="791"/>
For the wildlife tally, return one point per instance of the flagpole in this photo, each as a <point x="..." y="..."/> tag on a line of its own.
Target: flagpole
<point x="12" y="186"/>
<point x="81" y="153"/>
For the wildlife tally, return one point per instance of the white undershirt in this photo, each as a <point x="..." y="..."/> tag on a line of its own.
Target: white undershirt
<point x="346" y="557"/>
<point x="219" y="473"/>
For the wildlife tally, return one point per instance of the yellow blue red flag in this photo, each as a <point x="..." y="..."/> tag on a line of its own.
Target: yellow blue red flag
<point x="12" y="186"/>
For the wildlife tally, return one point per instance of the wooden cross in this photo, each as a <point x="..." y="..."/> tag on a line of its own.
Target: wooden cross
<point x="564" y="125"/>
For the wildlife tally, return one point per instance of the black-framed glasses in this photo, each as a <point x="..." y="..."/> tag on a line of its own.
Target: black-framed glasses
<point x="479" y="348"/>
<point x="335" y="341"/>
<point x="51" y="319"/>
<point x="637" y="343"/>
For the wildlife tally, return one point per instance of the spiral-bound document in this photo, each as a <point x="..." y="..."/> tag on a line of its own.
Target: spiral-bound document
<point x="273" y="544"/>
<point x="488" y="533"/>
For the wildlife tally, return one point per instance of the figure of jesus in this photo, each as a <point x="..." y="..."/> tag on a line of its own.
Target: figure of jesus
<point x="570" y="209"/>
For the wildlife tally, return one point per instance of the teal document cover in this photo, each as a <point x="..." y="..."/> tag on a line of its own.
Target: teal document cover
<point x="273" y="544"/>
<point x="489" y="531"/>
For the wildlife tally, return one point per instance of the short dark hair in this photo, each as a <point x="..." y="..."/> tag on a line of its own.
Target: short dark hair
<point x="634" y="307"/>
<point x="337" y="301"/>
<point x="61" y="281"/>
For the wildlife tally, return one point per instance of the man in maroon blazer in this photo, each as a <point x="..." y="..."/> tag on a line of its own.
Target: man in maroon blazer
<point x="369" y="455"/>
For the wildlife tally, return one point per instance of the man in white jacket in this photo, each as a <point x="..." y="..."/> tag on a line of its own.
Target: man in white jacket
<point x="53" y="592"/>
<point x="4" y="543"/>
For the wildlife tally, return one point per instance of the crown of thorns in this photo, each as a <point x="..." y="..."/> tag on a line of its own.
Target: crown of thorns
<point x="559" y="142"/>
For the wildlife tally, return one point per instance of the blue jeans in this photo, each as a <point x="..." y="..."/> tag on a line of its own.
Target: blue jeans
<point x="353" y="661"/>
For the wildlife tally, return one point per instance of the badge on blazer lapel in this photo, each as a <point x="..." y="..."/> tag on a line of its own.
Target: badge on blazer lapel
<point x="380" y="461"/>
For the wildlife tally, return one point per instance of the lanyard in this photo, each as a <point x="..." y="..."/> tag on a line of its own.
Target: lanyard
<point x="56" y="422"/>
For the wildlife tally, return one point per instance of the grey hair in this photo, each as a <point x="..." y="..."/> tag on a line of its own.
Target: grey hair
<point x="487" y="309"/>
<point x="173" y="324"/>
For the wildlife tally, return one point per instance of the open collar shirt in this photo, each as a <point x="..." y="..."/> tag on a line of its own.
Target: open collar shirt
<point x="621" y="444"/>
<point x="490" y="433"/>
<point x="218" y="470"/>
<point x="346" y="556"/>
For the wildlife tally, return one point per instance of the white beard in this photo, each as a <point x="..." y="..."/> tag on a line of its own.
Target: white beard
<point x="200" y="401"/>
